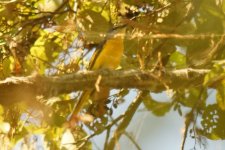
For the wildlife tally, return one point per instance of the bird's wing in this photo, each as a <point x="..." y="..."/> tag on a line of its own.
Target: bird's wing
<point x="108" y="57"/>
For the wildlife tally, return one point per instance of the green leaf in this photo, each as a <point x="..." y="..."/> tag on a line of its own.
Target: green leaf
<point x="49" y="5"/>
<point x="223" y="6"/>
<point x="213" y="9"/>
<point x="20" y="135"/>
<point x="141" y="2"/>
<point x="1" y="110"/>
<point x="157" y="108"/>
<point x="53" y="136"/>
<point x="178" y="60"/>
<point x="48" y="47"/>
<point x="220" y="96"/>
<point x="94" y="26"/>
<point x="38" y="53"/>
<point x="67" y="141"/>
<point x="213" y="119"/>
<point x="6" y="67"/>
<point x="214" y="75"/>
<point x="58" y="120"/>
<point x="75" y="136"/>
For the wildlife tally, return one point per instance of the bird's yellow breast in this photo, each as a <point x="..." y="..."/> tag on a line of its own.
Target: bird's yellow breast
<point x="110" y="55"/>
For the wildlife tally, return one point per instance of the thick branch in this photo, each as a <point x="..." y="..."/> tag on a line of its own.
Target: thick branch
<point x="26" y="88"/>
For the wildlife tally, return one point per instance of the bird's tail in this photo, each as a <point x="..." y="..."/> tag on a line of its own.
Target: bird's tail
<point x="98" y="98"/>
<point x="80" y="104"/>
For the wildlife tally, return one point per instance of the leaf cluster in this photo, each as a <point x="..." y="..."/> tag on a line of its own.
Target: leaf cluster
<point x="58" y="37"/>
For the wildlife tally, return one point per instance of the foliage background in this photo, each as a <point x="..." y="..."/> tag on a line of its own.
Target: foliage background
<point x="57" y="38"/>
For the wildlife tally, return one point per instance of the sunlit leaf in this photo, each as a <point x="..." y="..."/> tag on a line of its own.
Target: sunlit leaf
<point x="220" y="96"/>
<point x="4" y="127"/>
<point x="67" y="141"/>
<point x="6" y="69"/>
<point x="178" y="60"/>
<point x="213" y="122"/>
<point x="157" y="108"/>
<point x="49" y="5"/>
<point x="223" y="6"/>
<point x="54" y="38"/>
<point x="213" y="9"/>
<point x="93" y="25"/>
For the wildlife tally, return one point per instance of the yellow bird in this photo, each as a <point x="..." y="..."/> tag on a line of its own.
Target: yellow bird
<point x="108" y="57"/>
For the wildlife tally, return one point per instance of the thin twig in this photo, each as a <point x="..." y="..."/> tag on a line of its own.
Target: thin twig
<point x="132" y="140"/>
<point x="47" y="63"/>
<point x="87" y="138"/>
<point x="190" y="117"/>
<point x="127" y="119"/>
<point x="129" y="137"/>
<point x="7" y="1"/>
<point x="107" y="138"/>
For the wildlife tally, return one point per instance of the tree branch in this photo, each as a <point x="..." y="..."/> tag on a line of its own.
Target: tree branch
<point x="16" y="89"/>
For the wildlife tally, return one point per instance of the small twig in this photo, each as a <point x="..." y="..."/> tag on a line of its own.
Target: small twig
<point x="132" y="140"/>
<point x="7" y="1"/>
<point x="47" y="63"/>
<point x="140" y="126"/>
<point x="103" y="7"/>
<point x="128" y="136"/>
<point x="97" y="87"/>
<point x="43" y="18"/>
<point x="127" y="118"/>
<point x="191" y="117"/>
<point x="196" y="116"/>
<point x="25" y="121"/>
<point x="87" y="138"/>
<point x="107" y="138"/>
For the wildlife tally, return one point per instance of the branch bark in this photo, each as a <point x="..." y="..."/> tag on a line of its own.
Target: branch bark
<point x="16" y="89"/>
